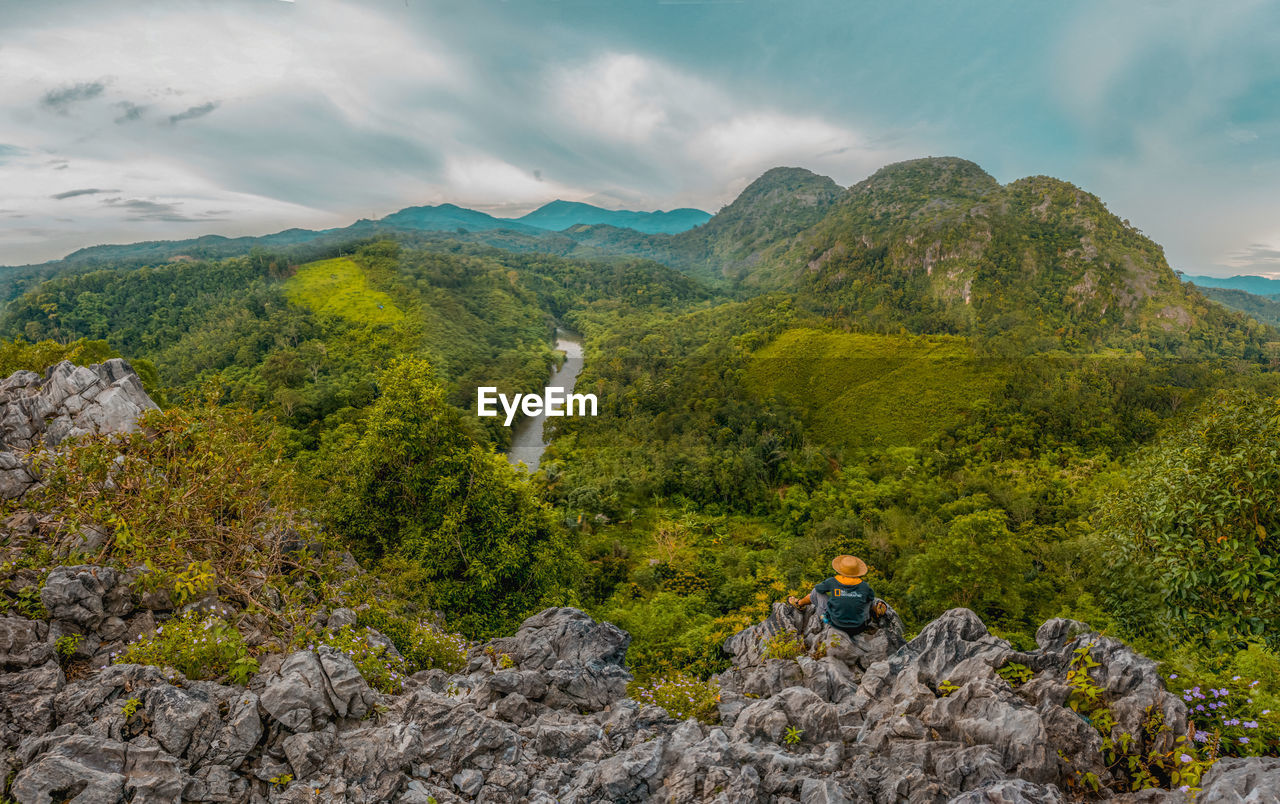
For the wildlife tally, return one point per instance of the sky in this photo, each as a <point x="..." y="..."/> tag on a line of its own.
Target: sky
<point x="168" y="119"/>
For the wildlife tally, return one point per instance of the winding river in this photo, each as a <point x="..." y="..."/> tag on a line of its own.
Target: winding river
<point x="528" y="439"/>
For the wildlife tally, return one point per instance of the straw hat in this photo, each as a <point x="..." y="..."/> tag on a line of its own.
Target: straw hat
<point x="849" y="566"/>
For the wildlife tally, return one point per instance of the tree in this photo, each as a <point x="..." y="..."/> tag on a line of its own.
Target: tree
<point x="978" y="564"/>
<point x="1201" y="512"/>
<point x="418" y="486"/>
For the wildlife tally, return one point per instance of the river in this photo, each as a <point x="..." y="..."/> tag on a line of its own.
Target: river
<point x="528" y="437"/>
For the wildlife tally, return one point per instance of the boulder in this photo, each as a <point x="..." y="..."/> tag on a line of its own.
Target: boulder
<point x="24" y="643"/>
<point x="312" y="688"/>
<point x="77" y="595"/>
<point x="1237" y="780"/>
<point x="1011" y="791"/>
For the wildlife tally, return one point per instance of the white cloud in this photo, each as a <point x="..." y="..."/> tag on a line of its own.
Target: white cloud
<point x="698" y="142"/>
<point x="486" y="182"/>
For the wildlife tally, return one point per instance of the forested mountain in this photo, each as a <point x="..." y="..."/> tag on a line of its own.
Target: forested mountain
<point x="1263" y="308"/>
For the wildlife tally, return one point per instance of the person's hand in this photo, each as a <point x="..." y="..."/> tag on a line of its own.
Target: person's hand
<point x="793" y="600"/>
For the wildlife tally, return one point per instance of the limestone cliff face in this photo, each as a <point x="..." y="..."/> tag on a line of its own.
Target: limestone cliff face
<point x="67" y="401"/>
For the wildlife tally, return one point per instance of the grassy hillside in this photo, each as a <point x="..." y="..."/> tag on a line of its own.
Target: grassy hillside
<point x="339" y="288"/>
<point x="859" y="390"/>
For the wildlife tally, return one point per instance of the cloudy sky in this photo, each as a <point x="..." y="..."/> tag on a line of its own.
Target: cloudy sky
<point x="130" y="120"/>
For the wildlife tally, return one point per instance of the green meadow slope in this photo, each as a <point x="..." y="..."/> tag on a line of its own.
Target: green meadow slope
<point x="338" y="287"/>
<point x="865" y="390"/>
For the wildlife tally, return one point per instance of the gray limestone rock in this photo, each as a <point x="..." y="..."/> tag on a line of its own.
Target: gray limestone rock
<point x="1236" y="780"/>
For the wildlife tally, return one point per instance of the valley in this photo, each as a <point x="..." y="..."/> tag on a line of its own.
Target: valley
<point x="984" y="390"/>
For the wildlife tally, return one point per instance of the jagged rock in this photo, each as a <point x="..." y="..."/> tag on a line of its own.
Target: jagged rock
<point x="27" y="701"/>
<point x="239" y="735"/>
<point x="16" y="476"/>
<point x="795" y="707"/>
<point x="822" y="791"/>
<point x="564" y="635"/>
<point x="376" y="760"/>
<point x="1011" y="791"/>
<point x="77" y="595"/>
<point x="558" y="727"/>
<point x="184" y="722"/>
<point x="565" y="659"/>
<point x="312" y="688"/>
<point x="88" y="768"/>
<point x="97" y="769"/>
<point x="341" y="618"/>
<point x="468" y="782"/>
<point x="308" y="751"/>
<point x="151" y="775"/>
<point x="68" y="401"/>
<point x="24" y="643"/>
<point x="565" y="740"/>
<point x="456" y="736"/>
<point x="217" y="783"/>
<point x="1132" y="682"/>
<point x="1236" y="780"/>
<point x="748" y="647"/>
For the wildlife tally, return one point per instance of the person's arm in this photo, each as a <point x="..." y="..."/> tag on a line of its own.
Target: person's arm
<point x="799" y="602"/>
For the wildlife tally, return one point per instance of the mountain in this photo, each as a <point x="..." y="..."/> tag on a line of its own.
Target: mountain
<point x="773" y="208"/>
<point x="1257" y="285"/>
<point x="560" y="215"/>
<point x="443" y="218"/>
<point x="933" y="245"/>
<point x="938" y="245"/>
<point x="1264" y="308"/>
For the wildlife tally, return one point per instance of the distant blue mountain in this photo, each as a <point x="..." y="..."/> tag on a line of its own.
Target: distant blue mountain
<point x="1257" y="285"/>
<point x="560" y="215"/>
<point x="532" y="232"/>
<point x="448" y="217"/>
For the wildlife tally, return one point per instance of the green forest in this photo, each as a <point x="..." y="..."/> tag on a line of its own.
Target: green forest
<point x="1001" y="397"/>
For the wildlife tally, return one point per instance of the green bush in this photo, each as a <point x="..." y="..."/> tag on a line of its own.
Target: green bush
<point x="198" y="647"/>
<point x="419" y="486"/>
<point x="423" y="646"/>
<point x="1232" y="715"/>
<point x="682" y="695"/>
<point x="784" y="645"/>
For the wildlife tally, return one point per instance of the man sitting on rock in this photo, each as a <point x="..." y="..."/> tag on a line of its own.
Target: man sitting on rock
<point x="845" y="601"/>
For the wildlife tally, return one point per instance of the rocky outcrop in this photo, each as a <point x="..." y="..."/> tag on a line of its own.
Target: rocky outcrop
<point x="544" y="716"/>
<point x="67" y="401"/>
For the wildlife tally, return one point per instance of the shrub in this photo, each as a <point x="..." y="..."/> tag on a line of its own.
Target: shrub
<point x="1016" y="674"/>
<point x="66" y="645"/>
<point x="784" y="645"/>
<point x="224" y="513"/>
<point x="198" y="647"/>
<point x="683" y="696"/>
<point x="1132" y="758"/>
<point x="424" y="646"/>
<point x="418" y="485"/>
<point x="1232" y="716"/>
